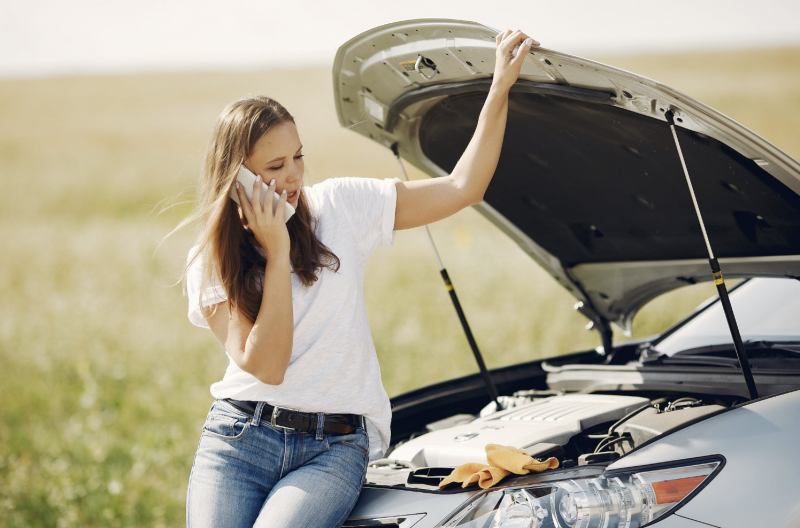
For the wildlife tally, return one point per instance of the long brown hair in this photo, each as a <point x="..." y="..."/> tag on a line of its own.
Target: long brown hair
<point x="228" y="247"/>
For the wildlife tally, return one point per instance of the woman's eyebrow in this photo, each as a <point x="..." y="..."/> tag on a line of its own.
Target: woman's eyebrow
<point x="279" y="158"/>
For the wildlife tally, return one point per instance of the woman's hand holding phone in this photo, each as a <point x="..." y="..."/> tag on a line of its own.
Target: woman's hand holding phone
<point x="266" y="223"/>
<point x="248" y="180"/>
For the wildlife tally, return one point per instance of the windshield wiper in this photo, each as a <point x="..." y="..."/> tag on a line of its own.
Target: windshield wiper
<point x="696" y="356"/>
<point x="792" y="347"/>
<point x="720" y="355"/>
<point x="701" y="360"/>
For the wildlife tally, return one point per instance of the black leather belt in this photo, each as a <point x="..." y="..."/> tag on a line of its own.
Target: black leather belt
<point x="301" y="421"/>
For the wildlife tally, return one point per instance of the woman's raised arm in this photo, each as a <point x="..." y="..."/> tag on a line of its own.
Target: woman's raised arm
<point x="421" y="202"/>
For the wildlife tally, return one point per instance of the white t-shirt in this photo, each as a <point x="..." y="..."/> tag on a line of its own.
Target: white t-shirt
<point x="334" y="367"/>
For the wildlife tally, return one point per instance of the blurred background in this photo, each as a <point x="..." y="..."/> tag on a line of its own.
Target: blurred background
<point x="105" y="108"/>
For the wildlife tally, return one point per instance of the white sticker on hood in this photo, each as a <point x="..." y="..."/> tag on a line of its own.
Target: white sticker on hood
<point x="374" y="108"/>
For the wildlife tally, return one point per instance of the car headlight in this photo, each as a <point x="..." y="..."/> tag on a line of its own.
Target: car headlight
<point x="615" y="499"/>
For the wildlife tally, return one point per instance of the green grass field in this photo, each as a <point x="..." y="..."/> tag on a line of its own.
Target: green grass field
<point x="104" y="382"/>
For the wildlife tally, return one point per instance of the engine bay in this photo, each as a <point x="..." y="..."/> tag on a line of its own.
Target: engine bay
<point x="577" y="429"/>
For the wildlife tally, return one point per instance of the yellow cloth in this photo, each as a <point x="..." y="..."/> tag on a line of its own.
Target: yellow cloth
<point x="503" y="460"/>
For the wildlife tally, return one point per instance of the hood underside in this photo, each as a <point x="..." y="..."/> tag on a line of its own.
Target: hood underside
<point x="589" y="181"/>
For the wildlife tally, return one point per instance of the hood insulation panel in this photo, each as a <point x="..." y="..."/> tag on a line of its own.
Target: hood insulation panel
<point x="594" y="183"/>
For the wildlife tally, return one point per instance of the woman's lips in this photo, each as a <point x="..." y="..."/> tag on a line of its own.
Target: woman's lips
<point x="292" y="196"/>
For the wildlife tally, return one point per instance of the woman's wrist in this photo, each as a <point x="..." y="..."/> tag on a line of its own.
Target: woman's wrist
<point x="496" y="105"/>
<point x="278" y="258"/>
<point x="496" y="91"/>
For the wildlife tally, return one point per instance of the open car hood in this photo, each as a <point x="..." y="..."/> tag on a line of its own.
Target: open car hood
<point x="589" y="182"/>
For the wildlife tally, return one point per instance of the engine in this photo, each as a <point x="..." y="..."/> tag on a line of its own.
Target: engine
<point x="578" y="429"/>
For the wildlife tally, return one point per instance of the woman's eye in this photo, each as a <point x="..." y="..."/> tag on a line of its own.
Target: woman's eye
<point x="300" y="156"/>
<point x="275" y="168"/>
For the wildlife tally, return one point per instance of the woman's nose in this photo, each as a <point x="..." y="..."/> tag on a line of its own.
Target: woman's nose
<point x="295" y="174"/>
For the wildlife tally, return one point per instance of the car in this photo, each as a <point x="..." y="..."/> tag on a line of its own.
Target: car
<point x="590" y="184"/>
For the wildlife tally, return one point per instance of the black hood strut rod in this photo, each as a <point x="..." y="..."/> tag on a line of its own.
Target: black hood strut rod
<point x="741" y="353"/>
<point x="491" y="389"/>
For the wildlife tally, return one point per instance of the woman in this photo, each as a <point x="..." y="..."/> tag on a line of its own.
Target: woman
<point x="301" y="408"/>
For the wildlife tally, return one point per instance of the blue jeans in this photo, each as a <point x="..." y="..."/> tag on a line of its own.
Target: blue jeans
<point x="247" y="473"/>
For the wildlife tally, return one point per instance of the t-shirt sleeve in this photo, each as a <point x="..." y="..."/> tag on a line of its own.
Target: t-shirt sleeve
<point x="370" y="205"/>
<point x="213" y="293"/>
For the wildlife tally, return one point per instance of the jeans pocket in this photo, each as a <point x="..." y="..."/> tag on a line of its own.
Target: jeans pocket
<point x="357" y="441"/>
<point x="354" y="446"/>
<point x="225" y="426"/>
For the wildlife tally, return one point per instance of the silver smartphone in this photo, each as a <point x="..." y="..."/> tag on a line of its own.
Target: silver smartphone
<point x="247" y="179"/>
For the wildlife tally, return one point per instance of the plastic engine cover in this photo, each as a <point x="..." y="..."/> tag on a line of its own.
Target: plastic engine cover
<point x="553" y="420"/>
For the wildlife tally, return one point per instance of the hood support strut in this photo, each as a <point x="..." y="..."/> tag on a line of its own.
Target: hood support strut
<point x="722" y="290"/>
<point x="491" y="389"/>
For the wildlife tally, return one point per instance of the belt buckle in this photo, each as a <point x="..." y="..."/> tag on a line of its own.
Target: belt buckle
<point x="275" y="410"/>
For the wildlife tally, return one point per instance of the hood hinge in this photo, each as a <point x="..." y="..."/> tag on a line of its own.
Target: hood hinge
<point x="603" y="327"/>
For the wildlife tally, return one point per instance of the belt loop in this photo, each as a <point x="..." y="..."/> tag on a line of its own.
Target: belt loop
<point x="320" y="425"/>
<point x="257" y="414"/>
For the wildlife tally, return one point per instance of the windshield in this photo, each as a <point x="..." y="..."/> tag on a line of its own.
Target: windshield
<point x="765" y="309"/>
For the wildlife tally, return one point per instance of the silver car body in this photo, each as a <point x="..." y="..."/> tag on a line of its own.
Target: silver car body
<point x="386" y="81"/>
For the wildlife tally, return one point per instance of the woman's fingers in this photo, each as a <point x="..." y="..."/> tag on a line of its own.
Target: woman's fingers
<point x="267" y="211"/>
<point x="508" y="41"/>
<point x="281" y="206"/>
<point x="510" y="38"/>
<point x="255" y="201"/>
<point x="501" y="36"/>
<point x="514" y="39"/>
<point x="268" y="207"/>
<point x="508" y="64"/>
<point x="269" y="203"/>
<point x="244" y="204"/>
<point x="524" y="47"/>
<point x="266" y="223"/>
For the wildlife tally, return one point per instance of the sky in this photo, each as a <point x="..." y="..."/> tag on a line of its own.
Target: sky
<point x="54" y="37"/>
